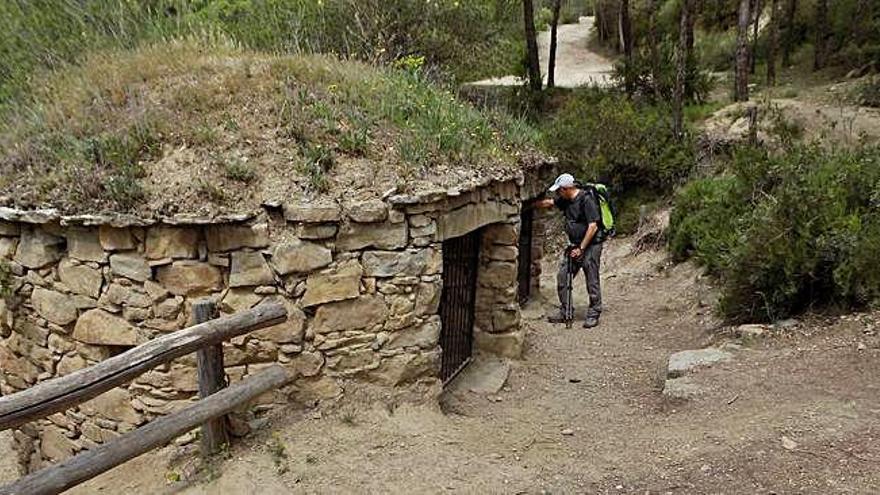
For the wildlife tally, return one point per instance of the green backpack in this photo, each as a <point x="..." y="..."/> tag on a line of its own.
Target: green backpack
<point x="607" y="209"/>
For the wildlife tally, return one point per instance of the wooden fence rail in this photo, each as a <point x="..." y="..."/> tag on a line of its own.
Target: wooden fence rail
<point x="62" y="393"/>
<point x="85" y="466"/>
<point x="206" y="338"/>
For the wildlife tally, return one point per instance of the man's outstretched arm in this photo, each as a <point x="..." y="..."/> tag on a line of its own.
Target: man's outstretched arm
<point x="543" y="203"/>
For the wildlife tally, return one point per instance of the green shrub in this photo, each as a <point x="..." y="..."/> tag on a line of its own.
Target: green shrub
<point x="786" y="232"/>
<point x="869" y="93"/>
<point x="608" y="137"/>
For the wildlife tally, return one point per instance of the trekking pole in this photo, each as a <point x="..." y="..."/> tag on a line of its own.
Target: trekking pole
<point x="569" y="302"/>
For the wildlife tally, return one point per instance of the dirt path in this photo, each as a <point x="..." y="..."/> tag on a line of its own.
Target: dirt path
<point x="576" y="65"/>
<point x="584" y="413"/>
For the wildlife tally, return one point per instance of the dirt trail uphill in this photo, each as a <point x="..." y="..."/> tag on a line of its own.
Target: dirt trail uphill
<point x="576" y="64"/>
<point x="796" y="411"/>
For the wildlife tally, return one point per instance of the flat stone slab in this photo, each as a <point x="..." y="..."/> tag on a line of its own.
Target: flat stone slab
<point x="8" y="464"/>
<point x="681" y="389"/>
<point x="485" y="376"/>
<point x="684" y="362"/>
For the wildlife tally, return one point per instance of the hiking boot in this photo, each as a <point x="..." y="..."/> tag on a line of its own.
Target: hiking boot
<point x="557" y="318"/>
<point x="591" y="322"/>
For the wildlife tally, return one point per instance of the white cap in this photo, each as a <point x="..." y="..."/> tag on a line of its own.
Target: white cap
<point x="564" y="180"/>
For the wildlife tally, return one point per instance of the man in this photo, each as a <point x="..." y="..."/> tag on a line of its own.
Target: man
<point x="582" y="220"/>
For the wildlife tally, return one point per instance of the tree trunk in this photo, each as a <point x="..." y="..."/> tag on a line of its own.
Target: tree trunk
<point x="626" y="36"/>
<point x="554" y="25"/>
<point x="772" y="44"/>
<point x="788" y="37"/>
<point x="754" y="55"/>
<point x="534" y="64"/>
<point x="654" y="43"/>
<point x="741" y="76"/>
<point x="691" y="60"/>
<point x="821" y="34"/>
<point x="681" y="70"/>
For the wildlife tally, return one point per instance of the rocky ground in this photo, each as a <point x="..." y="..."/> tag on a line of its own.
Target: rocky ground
<point x="787" y="409"/>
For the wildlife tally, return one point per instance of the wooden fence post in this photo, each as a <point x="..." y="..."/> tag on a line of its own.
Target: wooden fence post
<point x="212" y="379"/>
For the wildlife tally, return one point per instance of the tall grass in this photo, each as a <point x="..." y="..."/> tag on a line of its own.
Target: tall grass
<point x="467" y="40"/>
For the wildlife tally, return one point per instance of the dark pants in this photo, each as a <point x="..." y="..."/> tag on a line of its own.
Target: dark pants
<point x="589" y="263"/>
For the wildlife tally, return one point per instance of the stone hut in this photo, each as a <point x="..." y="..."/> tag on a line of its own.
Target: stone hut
<point x="393" y="291"/>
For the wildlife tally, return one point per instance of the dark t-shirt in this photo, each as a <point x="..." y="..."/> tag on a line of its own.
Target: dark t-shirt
<point x="579" y="214"/>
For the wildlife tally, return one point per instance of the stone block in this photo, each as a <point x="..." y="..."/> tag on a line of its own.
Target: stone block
<point x="300" y="257"/>
<point x="167" y="309"/>
<point x="130" y="265"/>
<point x="406" y="368"/>
<point x="114" y="404"/>
<point x="427" y="299"/>
<point x="322" y="288"/>
<point x="498" y="275"/>
<point x="312" y="213"/>
<point x="38" y="249"/>
<point x="185" y="278"/>
<point x="472" y="217"/>
<point x="356" y="236"/>
<point x="354" y="360"/>
<point x="113" y="239"/>
<point x="307" y="364"/>
<point x="7" y="247"/>
<point x="172" y="242"/>
<point x="393" y="263"/>
<point x="681" y="389"/>
<point x="318" y="231"/>
<point x="505" y="319"/>
<point x="230" y="237"/>
<point x="503" y="253"/>
<point x="54" y="306"/>
<point x="508" y="345"/>
<point x="98" y="327"/>
<point x="249" y="269"/>
<point x="339" y="316"/>
<point x="426" y="336"/>
<point x="684" y="362"/>
<point x="9" y="228"/>
<point x="83" y="244"/>
<point x="239" y="299"/>
<point x="81" y="279"/>
<point x="17" y="367"/>
<point x="504" y="234"/>
<point x="289" y="332"/>
<point x="70" y="363"/>
<point x="55" y="445"/>
<point x="367" y="211"/>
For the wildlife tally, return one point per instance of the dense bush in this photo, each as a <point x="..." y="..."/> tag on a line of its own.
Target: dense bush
<point x="606" y="136"/>
<point x="869" y="93"/>
<point x="786" y="232"/>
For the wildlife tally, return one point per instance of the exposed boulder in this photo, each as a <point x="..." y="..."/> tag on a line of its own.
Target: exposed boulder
<point x="684" y="362"/>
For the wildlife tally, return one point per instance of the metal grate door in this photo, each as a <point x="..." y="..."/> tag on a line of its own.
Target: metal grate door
<point x="460" y="264"/>
<point x="524" y="268"/>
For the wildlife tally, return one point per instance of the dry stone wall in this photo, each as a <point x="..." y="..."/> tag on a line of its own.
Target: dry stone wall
<point x="361" y="282"/>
